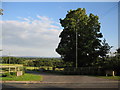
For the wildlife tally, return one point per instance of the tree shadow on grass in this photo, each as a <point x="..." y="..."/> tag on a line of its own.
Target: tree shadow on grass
<point x="59" y="73"/>
<point x="45" y="72"/>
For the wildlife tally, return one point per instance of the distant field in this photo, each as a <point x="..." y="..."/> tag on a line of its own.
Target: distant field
<point x="45" y="67"/>
<point x="26" y="67"/>
<point x="32" y="68"/>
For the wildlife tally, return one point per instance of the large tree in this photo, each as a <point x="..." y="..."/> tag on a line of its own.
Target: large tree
<point x="80" y="31"/>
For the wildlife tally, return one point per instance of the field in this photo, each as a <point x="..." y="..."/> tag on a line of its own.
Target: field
<point x="33" y="68"/>
<point x="43" y="67"/>
<point x="15" y="67"/>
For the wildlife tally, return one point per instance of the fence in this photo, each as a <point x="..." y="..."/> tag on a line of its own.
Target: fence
<point x="5" y="68"/>
<point x="84" y="71"/>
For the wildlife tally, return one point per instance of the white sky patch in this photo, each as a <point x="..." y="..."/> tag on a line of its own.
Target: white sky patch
<point x="38" y="37"/>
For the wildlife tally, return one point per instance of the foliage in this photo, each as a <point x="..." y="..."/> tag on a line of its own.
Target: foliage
<point x="36" y="62"/>
<point x="115" y="60"/>
<point x="82" y="32"/>
<point x="11" y="60"/>
<point x="104" y="49"/>
<point x="13" y="73"/>
<point x="111" y="62"/>
<point x="118" y="50"/>
<point x="6" y="75"/>
<point x="102" y="61"/>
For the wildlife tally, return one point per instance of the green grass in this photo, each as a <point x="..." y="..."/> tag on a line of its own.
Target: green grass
<point x="110" y="77"/>
<point x="25" y="77"/>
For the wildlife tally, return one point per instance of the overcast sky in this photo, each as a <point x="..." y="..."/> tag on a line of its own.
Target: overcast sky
<point x="32" y="29"/>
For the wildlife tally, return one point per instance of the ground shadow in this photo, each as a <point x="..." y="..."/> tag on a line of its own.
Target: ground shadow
<point x="9" y="87"/>
<point x="52" y="73"/>
<point x="44" y="72"/>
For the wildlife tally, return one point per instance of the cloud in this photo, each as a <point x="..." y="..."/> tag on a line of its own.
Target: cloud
<point x="36" y="34"/>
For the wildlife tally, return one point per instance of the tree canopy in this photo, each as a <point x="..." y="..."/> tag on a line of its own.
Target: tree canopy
<point x="81" y="31"/>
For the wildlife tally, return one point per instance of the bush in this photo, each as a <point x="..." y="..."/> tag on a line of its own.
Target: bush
<point x="9" y="74"/>
<point x="42" y="69"/>
<point x="23" y="72"/>
<point x="13" y="73"/>
<point x="6" y="74"/>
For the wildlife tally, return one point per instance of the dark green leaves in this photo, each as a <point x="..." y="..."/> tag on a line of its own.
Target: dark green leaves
<point x="84" y="30"/>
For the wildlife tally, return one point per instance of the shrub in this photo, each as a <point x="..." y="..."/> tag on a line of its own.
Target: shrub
<point x="42" y="69"/>
<point x="6" y="74"/>
<point x="23" y="72"/>
<point x="13" y="73"/>
<point x="9" y="74"/>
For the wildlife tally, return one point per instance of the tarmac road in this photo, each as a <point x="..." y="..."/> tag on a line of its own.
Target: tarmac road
<point x="67" y="81"/>
<point x="62" y="85"/>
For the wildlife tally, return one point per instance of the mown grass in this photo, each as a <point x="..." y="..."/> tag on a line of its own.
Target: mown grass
<point x="25" y="77"/>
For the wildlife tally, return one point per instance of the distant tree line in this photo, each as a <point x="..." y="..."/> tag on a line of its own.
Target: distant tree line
<point x="107" y="63"/>
<point x="36" y="62"/>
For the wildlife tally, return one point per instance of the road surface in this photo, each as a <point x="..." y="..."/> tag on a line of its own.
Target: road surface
<point x="67" y="81"/>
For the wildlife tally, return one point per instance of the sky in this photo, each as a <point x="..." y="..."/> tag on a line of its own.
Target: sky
<point x="60" y="0"/>
<point x="33" y="28"/>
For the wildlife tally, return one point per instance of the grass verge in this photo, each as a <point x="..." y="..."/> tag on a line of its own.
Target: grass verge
<point x="25" y="77"/>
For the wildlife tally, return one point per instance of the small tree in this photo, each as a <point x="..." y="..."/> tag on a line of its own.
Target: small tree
<point x="112" y="62"/>
<point x="117" y="60"/>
